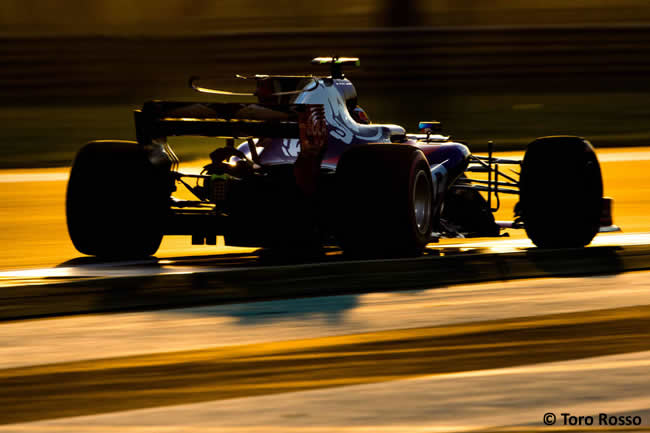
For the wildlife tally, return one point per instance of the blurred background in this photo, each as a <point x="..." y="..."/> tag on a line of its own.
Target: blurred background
<point x="73" y="71"/>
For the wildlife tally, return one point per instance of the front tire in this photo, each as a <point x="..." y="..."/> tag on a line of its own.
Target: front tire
<point x="116" y="201"/>
<point x="386" y="201"/>
<point x="561" y="192"/>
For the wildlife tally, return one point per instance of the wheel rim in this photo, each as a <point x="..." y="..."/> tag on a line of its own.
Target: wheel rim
<point x="422" y="202"/>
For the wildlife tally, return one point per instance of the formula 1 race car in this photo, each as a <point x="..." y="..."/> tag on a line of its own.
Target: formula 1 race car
<point x="304" y="167"/>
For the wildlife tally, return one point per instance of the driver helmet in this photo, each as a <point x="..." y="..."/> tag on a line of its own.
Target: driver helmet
<point x="360" y="116"/>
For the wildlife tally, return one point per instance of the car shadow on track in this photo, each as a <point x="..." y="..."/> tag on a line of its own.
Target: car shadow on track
<point x="329" y="310"/>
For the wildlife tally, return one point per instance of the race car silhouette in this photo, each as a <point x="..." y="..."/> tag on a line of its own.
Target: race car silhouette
<point x="304" y="167"/>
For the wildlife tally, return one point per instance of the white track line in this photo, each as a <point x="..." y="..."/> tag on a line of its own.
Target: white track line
<point x="510" y="245"/>
<point x="623" y="156"/>
<point x="34" y="177"/>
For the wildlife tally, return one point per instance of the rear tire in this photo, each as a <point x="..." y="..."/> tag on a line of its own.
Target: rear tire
<point x="561" y="192"/>
<point x="116" y="201"/>
<point x="387" y="201"/>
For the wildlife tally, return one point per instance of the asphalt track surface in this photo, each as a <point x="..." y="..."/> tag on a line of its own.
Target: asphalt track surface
<point x="411" y="349"/>
<point x="459" y="358"/>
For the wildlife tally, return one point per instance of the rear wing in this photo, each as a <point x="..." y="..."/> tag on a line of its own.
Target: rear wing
<point x="158" y="120"/>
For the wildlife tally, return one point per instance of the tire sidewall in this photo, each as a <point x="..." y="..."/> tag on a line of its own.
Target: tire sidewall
<point x="419" y="164"/>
